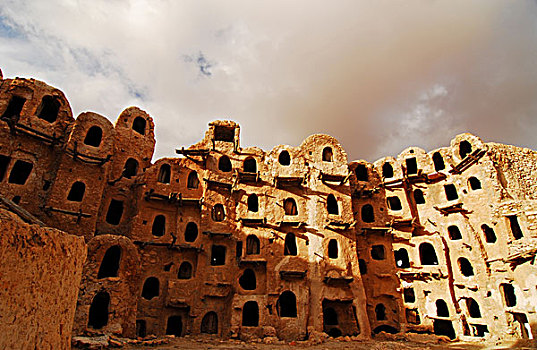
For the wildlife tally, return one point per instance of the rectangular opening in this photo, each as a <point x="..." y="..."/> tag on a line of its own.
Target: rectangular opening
<point x="411" y="166"/>
<point x="508" y="292"/>
<point x="4" y="163"/>
<point x="14" y="108"/>
<point x="218" y="255"/>
<point x="515" y="226"/>
<point x="451" y="192"/>
<point x="238" y="250"/>
<point x="412" y="316"/>
<point x="523" y="325"/>
<point x="115" y="211"/>
<point x="20" y="172"/>
<point x="224" y="133"/>
<point x="409" y="295"/>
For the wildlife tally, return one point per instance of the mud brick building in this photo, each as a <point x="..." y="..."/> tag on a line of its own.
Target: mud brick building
<point x="246" y="243"/>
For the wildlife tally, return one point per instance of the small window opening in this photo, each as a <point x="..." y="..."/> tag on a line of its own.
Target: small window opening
<point x="98" y="312"/>
<point x="185" y="271"/>
<point x="224" y="164"/>
<point x="387" y="170"/>
<point x="131" y="168"/>
<point x="209" y="323"/>
<point x="333" y="249"/>
<point x="16" y="199"/>
<point x="411" y="166"/>
<point x="479" y="330"/>
<point x="289" y="207"/>
<point x="361" y="172"/>
<point x="428" y="254"/>
<point x="394" y="203"/>
<point x="409" y="295"/>
<point x="224" y="133"/>
<point x="380" y="312"/>
<point x="164" y="174"/>
<point x="218" y="213"/>
<point x="401" y="258"/>
<point x="76" y="194"/>
<point x="515" y="227"/>
<point x="508" y="291"/>
<point x="475" y="184"/>
<point x="115" y="211"/>
<point x="465" y="267"/>
<point x="20" y="172"/>
<point x="331" y="205"/>
<point x="441" y="308"/>
<point x="290" y="245"/>
<point x="14" y="108"/>
<point x="193" y="181"/>
<point x="110" y="263"/>
<point x="368" y="213"/>
<point x="238" y="250"/>
<point x="362" y="266"/>
<point x="378" y="252"/>
<point x="94" y="136"/>
<point x="138" y="125"/>
<point x="159" y="226"/>
<point x="4" y="163"/>
<point x="252" y="245"/>
<point x="418" y="196"/>
<point x="465" y="148"/>
<point x="412" y="316"/>
<point x="473" y="308"/>
<point x="141" y="328"/>
<point x="330" y="317"/>
<point x="218" y="255"/>
<point x="191" y="232"/>
<point x="253" y="203"/>
<point x="250" y="314"/>
<point x="151" y="288"/>
<point x="451" y="192"/>
<point x="174" y="326"/>
<point x="286" y="304"/>
<point x="284" y="158"/>
<point x="247" y="281"/>
<point x="49" y="108"/>
<point x="250" y="165"/>
<point x="438" y="161"/>
<point x="454" y="233"/>
<point x="490" y="235"/>
<point x="327" y="154"/>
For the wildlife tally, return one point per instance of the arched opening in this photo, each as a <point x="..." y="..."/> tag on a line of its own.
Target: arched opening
<point x="98" y="312"/>
<point x="327" y="154"/>
<point x="138" y="125"/>
<point x="115" y="211"/>
<point x="191" y="232"/>
<point x="438" y="161"/>
<point x="387" y="170"/>
<point x="20" y="172"/>
<point x="362" y="266"/>
<point x="490" y="235"/>
<point x="290" y="245"/>
<point x="378" y="252"/>
<point x="451" y="192"/>
<point x="131" y="168"/>
<point x="418" y="196"/>
<point x="289" y="207"/>
<point x="151" y="288"/>
<point x="159" y="226"/>
<point x="49" y="108"/>
<point x="174" y="326"/>
<point x="185" y="271"/>
<point x="331" y="205"/>
<point x="380" y="312"/>
<point x="14" y="108"/>
<point x="465" y="148"/>
<point x="224" y="164"/>
<point x="247" y="281"/>
<point x="394" y="203"/>
<point x="402" y="260"/>
<point x="209" y="323"/>
<point x="368" y="213"/>
<point x="411" y="166"/>
<point x="284" y="158"/>
<point x="286" y="304"/>
<point x="508" y="291"/>
<point x="164" y="174"/>
<point x="218" y="213"/>
<point x="428" y="254"/>
<point x="515" y="227"/>
<point x="465" y="267"/>
<point x="250" y="314"/>
<point x="141" y="328"/>
<point x="330" y="317"/>
<point x="253" y="203"/>
<point x="361" y="172"/>
<point x="252" y="245"/>
<point x="94" y="136"/>
<point x="250" y="165"/>
<point x="454" y="233"/>
<point x="110" y="263"/>
<point x="193" y="181"/>
<point x="441" y="308"/>
<point x="218" y="255"/>
<point x="473" y="308"/>
<point x="408" y="295"/>
<point x="76" y="193"/>
<point x="333" y="249"/>
<point x="474" y="183"/>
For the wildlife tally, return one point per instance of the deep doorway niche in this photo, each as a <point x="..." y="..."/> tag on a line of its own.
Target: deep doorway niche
<point x="218" y="213"/>
<point x="394" y="203"/>
<point x="331" y="205"/>
<point x="333" y="250"/>
<point x="441" y="308"/>
<point x="247" y="281"/>
<point x="209" y="323"/>
<point x="387" y="170"/>
<point x="174" y="326"/>
<point x="380" y="312"/>
<point x="368" y="214"/>
<point x="418" y="196"/>
<point x="193" y="181"/>
<point x="253" y="203"/>
<point x="185" y="271"/>
<point x="98" y="312"/>
<point x="327" y="154"/>
<point x="286" y="304"/>
<point x="115" y="211"/>
<point x="110" y="263"/>
<point x="474" y="183"/>
<point x="141" y="328"/>
<point x="151" y="288"/>
<point x="49" y="108"/>
<point x="515" y="227"/>
<point x="250" y="314"/>
<point x="454" y="233"/>
<point x="508" y="292"/>
<point x="409" y="296"/>
<point x="14" y="108"/>
<point x="330" y="317"/>
<point x="164" y="174"/>
<point x="411" y="166"/>
<point x="138" y="125"/>
<point x="428" y="254"/>
<point x="131" y="168"/>
<point x="191" y="232"/>
<point x="252" y="245"/>
<point x="159" y="226"/>
<point x="361" y="172"/>
<point x="20" y="172"/>
<point x="289" y="207"/>
<point x="465" y="267"/>
<point x="438" y="161"/>
<point x="378" y="252"/>
<point x="224" y="164"/>
<point x="473" y="308"/>
<point x="76" y="193"/>
<point x="94" y="136"/>
<point x="490" y="235"/>
<point x="444" y="327"/>
<point x="402" y="260"/>
<point x="218" y="255"/>
<point x="250" y="165"/>
<point x="465" y="148"/>
<point x="290" y="245"/>
<point x="284" y="158"/>
<point x="451" y="192"/>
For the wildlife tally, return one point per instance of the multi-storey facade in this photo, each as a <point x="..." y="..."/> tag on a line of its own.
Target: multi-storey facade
<point x="246" y="243"/>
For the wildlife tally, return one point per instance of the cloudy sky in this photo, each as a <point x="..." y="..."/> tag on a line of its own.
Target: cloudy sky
<point x="377" y="75"/>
